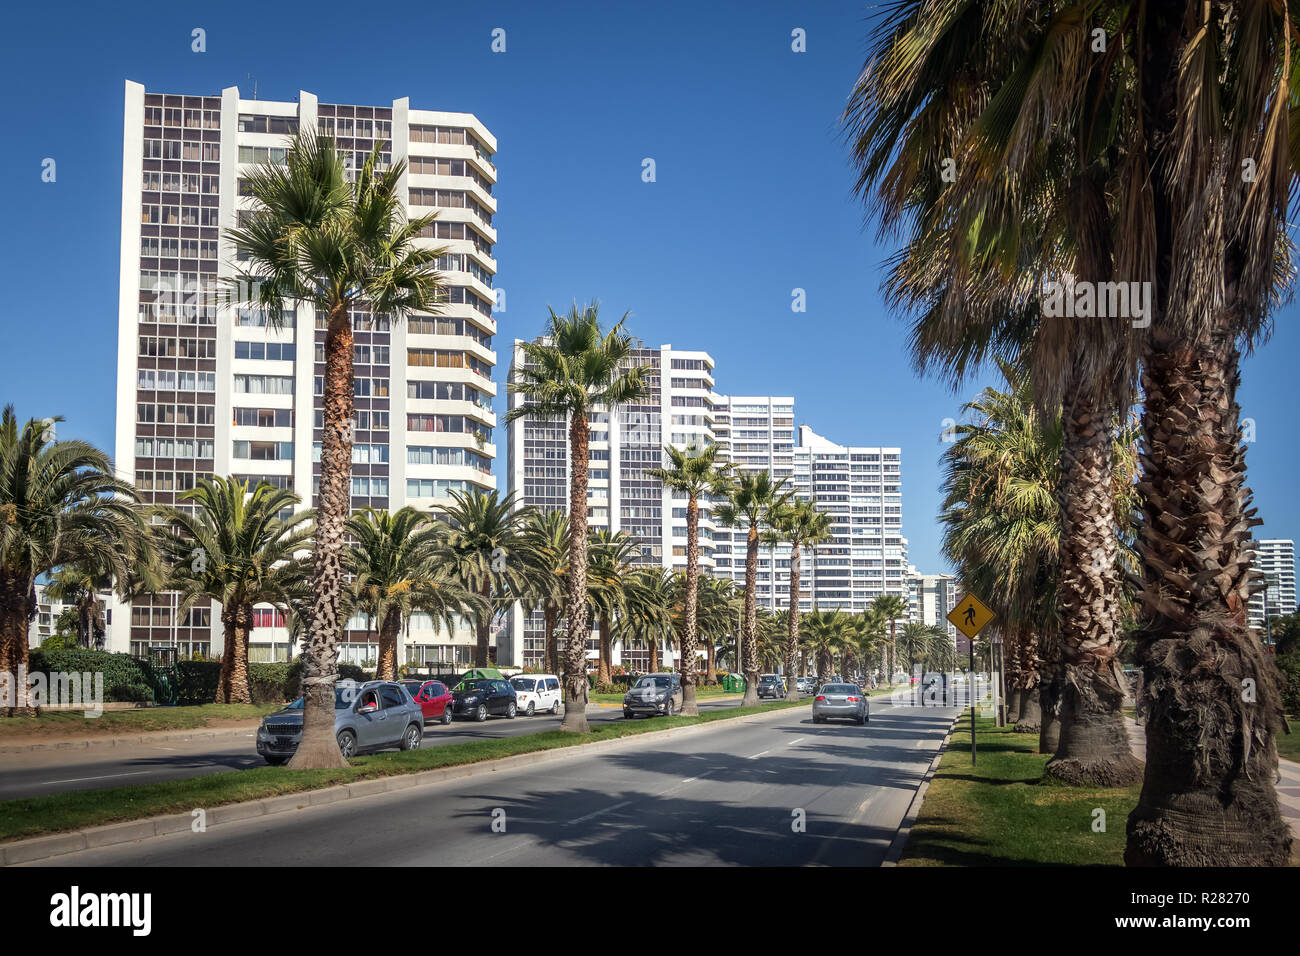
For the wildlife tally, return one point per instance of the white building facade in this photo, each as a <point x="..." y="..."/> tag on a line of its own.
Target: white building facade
<point x="1275" y="560"/>
<point x="204" y="389"/>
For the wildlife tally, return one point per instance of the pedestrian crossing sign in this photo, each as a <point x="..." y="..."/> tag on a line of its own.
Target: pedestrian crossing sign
<point x="970" y="615"/>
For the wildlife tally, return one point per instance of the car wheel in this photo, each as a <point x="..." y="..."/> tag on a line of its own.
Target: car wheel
<point x="480" y="713"/>
<point x="555" y="707"/>
<point x="866" y="716"/>
<point x="511" y="710"/>
<point x="275" y="761"/>
<point x="347" y="743"/>
<point x="412" y="738"/>
<point x="627" y="715"/>
<point x="446" y="715"/>
<point x="532" y="708"/>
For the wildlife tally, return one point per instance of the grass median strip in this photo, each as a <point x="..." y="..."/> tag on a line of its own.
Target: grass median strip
<point x="58" y="813"/>
<point x="62" y="725"/>
<point x="1001" y="812"/>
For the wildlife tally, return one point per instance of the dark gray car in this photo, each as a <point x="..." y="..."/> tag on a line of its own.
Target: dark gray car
<point x="844" y="701"/>
<point x="376" y="715"/>
<point x="654" y="695"/>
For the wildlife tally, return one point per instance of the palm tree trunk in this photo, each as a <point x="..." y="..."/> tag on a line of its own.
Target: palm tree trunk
<point x="606" y="651"/>
<point x="575" y="658"/>
<point x="690" y="708"/>
<point x="792" y="635"/>
<point x="1213" y="700"/>
<point x="1094" y="747"/>
<point x="549" y="615"/>
<point x="319" y="749"/>
<point x="482" y="629"/>
<point x="1029" y="718"/>
<point x="893" y="626"/>
<point x="14" y="617"/>
<point x="232" y="684"/>
<point x="1049" y="695"/>
<point x="654" y="657"/>
<point x="749" y="640"/>
<point x="389" y="628"/>
<point x="711" y="671"/>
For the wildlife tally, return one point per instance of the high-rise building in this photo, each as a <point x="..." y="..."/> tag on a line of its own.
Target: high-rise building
<point x="933" y="596"/>
<point x="622" y="495"/>
<point x="860" y="487"/>
<point x="204" y="389"/>
<point x="1275" y="560"/>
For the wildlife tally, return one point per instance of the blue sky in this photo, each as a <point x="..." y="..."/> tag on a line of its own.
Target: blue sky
<point x="752" y="197"/>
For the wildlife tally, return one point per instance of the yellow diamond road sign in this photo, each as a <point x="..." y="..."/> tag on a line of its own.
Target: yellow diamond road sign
<point x="970" y="615"/>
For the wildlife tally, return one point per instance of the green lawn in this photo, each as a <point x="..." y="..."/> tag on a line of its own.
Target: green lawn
<point x="71" y="811"/>
<point x="1288" y="745"/>
<point x="1001" y="813"/>
<point x="67" y="724"/>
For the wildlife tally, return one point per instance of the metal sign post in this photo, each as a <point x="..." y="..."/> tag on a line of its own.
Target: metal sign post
<point x="969" y="616"/>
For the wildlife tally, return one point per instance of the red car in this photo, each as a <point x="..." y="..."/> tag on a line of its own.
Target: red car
<point x="433" y="697"/>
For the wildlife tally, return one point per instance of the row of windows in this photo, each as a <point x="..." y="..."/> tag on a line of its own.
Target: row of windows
<point x="447" y="423"/>
<point x="448" y="391"/>
<point x="347" y="127"/>
<point x="459" y="262"/>
<point x="168" y="380"/>
<point x="250" y="123"/>
<point x="362" y="454"/>
<point x="186" y="119"/>
<point x="271" y="351"/>
<point x="263" y="417"/>
<point x="156" y="182"/>
<point x="262" y="450"/>
<point x="165" y="480"/>
<point x="434" y="487"/>
<point x="178" y="248"/>
<point x="457" y="230"/>
<point x="173" y="448"/>
<point x="264" y="384"/>
<point x="451" y="199"/>
<point x="175" y="414"/>
<point x="430" y="166"/>
<point x="258" y="318"/>
<point x="151" y="214"/>
<point x="178" y="348"/>
<point x="263" y="155"/>
<point x="440" y="358"/>
<point x="361" y="387"/>
<point x="421" y="455"/>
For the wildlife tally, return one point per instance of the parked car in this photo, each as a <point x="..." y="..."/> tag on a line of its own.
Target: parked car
<point x="840" y="701"/>
<point x="483" y="696"/>
<point x="806" y="686"/>
<point x="376" y="715"/>
<point x="537" y="692"/>
<point x="433" y="697"/>
<point x="771" y="685"/>
<point x="654" y="695"/>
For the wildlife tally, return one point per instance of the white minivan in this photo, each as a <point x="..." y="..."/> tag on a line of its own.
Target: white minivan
<point x="536" y="693"/>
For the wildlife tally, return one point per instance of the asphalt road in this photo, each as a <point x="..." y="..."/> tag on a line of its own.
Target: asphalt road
<point x="732" y="794"/>
<point x="43" y="772"/>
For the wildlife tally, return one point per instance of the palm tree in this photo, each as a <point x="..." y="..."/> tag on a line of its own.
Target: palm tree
<point x="394" y="561"/>
<point x="234" y="548"/>
<point x="59" y="505"/>
<point x="573" y="370"/>
<point x="753" y="502"/>
<point x="802" y="525"/>
<point x="870" y="628"/>
<point x="317" y="239"/>
<point x="692" y="471"/>
<point x="890" y="607"/>
<point x="923" y="644"/>
<point x="79" y="585"/>
<point x="825" y="634"/>
<point x="648" y="614"/>
<point x="610" y="559"/>
<point x="546" y="534"/>
<point x="485" y="549"/>
<point x="719" y="609"/>
<point x="1124" y="152"/>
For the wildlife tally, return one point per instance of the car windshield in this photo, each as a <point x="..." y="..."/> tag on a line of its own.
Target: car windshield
<point x="646" y="683"/>
<point x="839" y="689"/>
<point x="522" y="683"/>
<point x="344" y="697"/>
<point x="468" y="685"/>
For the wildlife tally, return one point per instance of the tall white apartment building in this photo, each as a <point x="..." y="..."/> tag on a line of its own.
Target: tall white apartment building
<point x="1275" y="560"/>
<point x="861" y="489"/>
<point x="203" y="389"/>
<point x="621" y="493"/>
<point x="933" y="596"/>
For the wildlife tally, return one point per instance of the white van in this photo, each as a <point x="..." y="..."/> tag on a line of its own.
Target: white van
<point x="536" y="693"/>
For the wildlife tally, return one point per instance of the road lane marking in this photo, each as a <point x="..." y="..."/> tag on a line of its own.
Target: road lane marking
<point x="133" y="773"/>
<point x="757" y="755"/>
<point x="591" y="816"/>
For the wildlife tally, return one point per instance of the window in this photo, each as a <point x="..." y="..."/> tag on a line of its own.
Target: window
<point x="264" y="384"/>
<point x="272" y="351"/>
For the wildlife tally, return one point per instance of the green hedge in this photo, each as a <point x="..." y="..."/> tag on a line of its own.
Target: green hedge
<point x="1289" y="667"/>
<point x="126" y="678"/>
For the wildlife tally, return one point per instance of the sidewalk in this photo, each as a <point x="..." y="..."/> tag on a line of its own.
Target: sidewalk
<point x="1288" y="788"/>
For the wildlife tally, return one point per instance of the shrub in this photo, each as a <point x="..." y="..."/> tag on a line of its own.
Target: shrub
<point x="607" y="689"/>
<point x="196" y="682"/>
<point x="269" y="683"/>
<point x="123" y="674"/>
<point x="137" y="693"/>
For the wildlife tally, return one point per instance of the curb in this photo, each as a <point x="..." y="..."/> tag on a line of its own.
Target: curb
<point x="92" y="743"/>
<point x="895" y="851"/>
<point x="131" y="831"/>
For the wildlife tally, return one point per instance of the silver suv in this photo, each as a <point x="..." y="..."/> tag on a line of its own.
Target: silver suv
<point x="376" y="715"/>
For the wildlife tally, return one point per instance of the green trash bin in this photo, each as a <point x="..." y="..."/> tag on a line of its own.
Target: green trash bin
<point x="733" y="684"/>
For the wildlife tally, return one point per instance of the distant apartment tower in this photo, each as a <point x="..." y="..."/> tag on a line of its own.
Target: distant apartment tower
<point x="203" y="389"/>
<point x="860" y="487"/>
<point x="45" y="624"/>
<point x="933" y="596"/>
<point x="1275" y="560"/>
<point x="622" y="495"/>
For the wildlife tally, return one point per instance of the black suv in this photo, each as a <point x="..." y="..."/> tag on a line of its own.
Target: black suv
<point x="771" y="685"/>
<point x="482" y="696"/>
